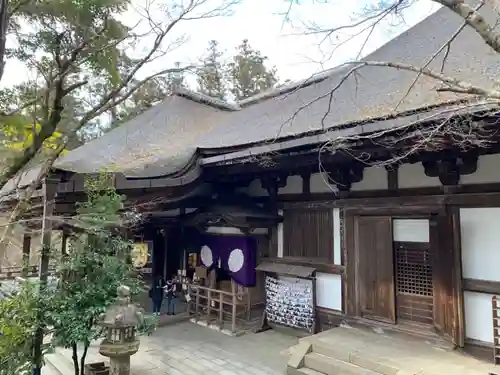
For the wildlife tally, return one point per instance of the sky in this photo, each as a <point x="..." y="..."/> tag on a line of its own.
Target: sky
<point x="295" y="55"/>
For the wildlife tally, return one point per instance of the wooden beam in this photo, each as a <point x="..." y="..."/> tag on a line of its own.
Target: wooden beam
<point x="481" y="286"/>
<point x="320" y="266"/>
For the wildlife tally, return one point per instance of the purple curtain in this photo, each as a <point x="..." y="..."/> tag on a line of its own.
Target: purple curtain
<point x="237" y="255"/>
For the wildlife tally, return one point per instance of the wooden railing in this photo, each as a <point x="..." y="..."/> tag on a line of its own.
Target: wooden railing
<point x="210" y="303"/>
<point x="9" y="273"/>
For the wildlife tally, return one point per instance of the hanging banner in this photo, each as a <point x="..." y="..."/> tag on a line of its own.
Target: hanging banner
<point x="141" y="256"/>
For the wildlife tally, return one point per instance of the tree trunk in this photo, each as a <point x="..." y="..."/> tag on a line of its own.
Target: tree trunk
<point x="83" y="358"/>
<point x="4" y="20"/>
<point x="76" y="366"/>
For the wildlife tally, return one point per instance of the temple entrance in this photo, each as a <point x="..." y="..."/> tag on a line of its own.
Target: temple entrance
<point x="405" y="272"/>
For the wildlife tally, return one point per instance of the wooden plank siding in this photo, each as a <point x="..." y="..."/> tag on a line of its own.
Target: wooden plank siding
<point x="308" y="234"/>
<point x="375" y="268"/>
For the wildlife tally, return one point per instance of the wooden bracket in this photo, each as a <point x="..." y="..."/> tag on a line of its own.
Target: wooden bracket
<point x="467" y="163"/>
<point x="272" y="183"/>
<point x="343" y="177"/>
<point x="449" y="170"/>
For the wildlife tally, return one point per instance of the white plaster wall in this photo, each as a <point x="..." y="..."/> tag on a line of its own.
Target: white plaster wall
<point x="478" y="321"/>
<point x="480" y="237"/>
<point x="413" y="176"/>
<point x="488" y="171"/>
<point x="337" y="244"/>
<point x="293" y="186"/>
<point x="329" y="291"/>
<point x="410" y="230"/>
<point x="319" y="183"/>
<point x="374" y="178"/>
<point x="329" y="287"/>
<point x="480" y="242"/>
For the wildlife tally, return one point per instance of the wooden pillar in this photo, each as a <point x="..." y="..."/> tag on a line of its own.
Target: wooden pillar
<point x="392" y="177"/>
<point x="165" y="253"/>
<point x="26" y="254"/>
<point x="49" y="189"/>
<point x="233" y="306"/>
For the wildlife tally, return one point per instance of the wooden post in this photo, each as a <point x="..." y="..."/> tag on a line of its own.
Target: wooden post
<point x="249" y="304"/>
<point x="49" y="193"/>
<point x="188" y="303"/>
<point x="197" y="304"/>
<point x="221" y="309"/>
<point x="26" y="254"/>
<point x="165" y="254"/>
<point x="209" y="305"/>
<point x="233" y="307"/>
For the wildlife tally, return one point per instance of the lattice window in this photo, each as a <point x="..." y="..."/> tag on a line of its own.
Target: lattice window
<point x="413" y="270"/>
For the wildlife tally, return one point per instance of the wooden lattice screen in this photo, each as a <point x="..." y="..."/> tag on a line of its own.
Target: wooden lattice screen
<point x="495" y="302"/>
<point x="414" y="284"/>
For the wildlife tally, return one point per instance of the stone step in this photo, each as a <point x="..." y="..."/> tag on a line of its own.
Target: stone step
<point x="331" y="366"/>
<point x="50" y="369"/>
<point x="356" y="358"/>
<point x="302" y="371"/>
<point x="337" y="352"/>
<point x="309" y="371"/>
<point x="58" y="364"/>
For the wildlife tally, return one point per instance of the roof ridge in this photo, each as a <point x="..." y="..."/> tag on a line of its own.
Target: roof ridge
<point x="296" y="85"/>
<point x="205" y="99"/>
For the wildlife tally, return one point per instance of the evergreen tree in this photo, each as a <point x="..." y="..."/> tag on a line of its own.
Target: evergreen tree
<point x="211" y="79"/>
<point x="248" y="72"/>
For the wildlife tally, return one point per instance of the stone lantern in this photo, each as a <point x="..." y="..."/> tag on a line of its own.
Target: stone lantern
<point x="120" y="322"/>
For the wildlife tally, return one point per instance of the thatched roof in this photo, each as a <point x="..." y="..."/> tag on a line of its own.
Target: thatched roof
<point x="164" y="140"/>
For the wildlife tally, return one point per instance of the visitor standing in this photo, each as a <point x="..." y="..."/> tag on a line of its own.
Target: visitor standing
<point x="171" y="290"/>
<point x="156" y="293"/>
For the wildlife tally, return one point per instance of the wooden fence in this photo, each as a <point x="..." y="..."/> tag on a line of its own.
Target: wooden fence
<point x="214" y="304"/>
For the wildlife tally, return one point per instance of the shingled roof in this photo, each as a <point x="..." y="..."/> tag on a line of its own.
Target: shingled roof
<point x="159" y="141"/>
<point x="164" y="140"/>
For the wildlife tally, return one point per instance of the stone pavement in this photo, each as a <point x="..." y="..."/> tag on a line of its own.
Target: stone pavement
<point x="188" y="349"/>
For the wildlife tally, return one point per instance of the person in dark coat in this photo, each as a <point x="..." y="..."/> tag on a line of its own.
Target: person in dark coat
<point x="171" y="290"/>
<point x="156" y="293"/>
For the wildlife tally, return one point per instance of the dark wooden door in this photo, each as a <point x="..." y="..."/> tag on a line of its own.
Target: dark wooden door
<point x="375" y="268"/>
<point x="447" y="276"/>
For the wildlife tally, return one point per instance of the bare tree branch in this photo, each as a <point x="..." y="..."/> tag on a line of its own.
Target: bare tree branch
<point x="446" y="46"/>
<point x="475" y="20"/>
